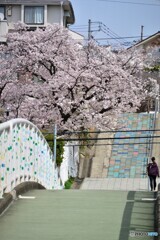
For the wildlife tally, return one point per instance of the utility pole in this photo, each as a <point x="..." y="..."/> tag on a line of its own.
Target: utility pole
<point x="142" y="32"/>
<point x="55" y="142"/>
<point x="89" y="29"/>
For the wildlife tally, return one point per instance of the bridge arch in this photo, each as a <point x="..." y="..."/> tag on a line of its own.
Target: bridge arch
<point x="25" y="156"/>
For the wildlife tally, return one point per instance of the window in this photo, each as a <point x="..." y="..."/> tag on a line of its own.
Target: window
<point x="34" y="15"/>
<point x="2" y="13"/>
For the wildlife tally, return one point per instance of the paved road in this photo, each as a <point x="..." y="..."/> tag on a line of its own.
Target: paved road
<point x="78" y="215"/>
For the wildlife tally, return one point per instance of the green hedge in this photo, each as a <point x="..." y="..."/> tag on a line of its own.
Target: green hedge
<point x="69" y="183"/>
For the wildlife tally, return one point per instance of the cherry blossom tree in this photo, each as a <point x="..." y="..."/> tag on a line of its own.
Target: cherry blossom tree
<point x="48" y="77"/>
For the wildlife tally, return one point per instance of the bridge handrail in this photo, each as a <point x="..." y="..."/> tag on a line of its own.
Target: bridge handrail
<point x="25" y="156"/>
<point x="12" y="122"/>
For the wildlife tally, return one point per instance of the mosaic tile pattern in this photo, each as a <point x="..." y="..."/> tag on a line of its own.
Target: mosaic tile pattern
<point x="129" y="161"/>
<point x="25" y="156"/>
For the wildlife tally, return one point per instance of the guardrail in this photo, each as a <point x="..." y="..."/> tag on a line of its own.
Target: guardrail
<point x="25" y="156"/>
<point x="152" y="127"/>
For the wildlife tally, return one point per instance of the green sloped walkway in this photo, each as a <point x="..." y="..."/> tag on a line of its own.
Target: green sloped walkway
<point x="78" y="215"/>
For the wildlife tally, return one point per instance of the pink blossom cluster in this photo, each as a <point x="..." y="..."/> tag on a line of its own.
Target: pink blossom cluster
<point x="47" y="77"/>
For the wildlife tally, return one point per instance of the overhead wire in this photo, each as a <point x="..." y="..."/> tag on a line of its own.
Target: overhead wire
<point x="110" y="33"/>
<point x="110" y="131"/>
<point x="135" y="3"/>
<point x="100" y="27"/>
<point x="107" y="31"/>
<point x="120" y="37"/>
<point x="110" y="144"/>
<point x="109" y="138"/>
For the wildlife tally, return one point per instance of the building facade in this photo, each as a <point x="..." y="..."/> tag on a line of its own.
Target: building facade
<point x="35" y="13"/>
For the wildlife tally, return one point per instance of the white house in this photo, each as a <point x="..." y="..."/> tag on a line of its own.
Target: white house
<point x="151" y="44"/>
<point x="34" y="13"/>
<point x="151" y="48"/>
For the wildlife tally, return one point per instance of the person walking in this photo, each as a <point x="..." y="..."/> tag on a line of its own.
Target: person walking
<point x="153" y="172"/>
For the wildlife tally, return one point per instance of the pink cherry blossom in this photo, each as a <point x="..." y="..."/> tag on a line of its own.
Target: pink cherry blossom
<point x="47" y="77"/>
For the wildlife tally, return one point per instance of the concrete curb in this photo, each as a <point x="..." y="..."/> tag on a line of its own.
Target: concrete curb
<point x="8" y="198"/>
<point x="5" y="202"/>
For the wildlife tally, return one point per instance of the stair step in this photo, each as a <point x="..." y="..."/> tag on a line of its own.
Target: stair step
<point x="126" y="184"/>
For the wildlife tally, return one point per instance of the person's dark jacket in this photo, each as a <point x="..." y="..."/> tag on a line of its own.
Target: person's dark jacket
<point x="152" y="169"/>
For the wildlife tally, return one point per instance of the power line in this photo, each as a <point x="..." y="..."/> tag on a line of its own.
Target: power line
<point x="119" y="37"/>
<point x="112" y="38"/>
<point x="109" y="144"/>
<point x="110" y="131"/>
<point x="135" y="3"/>
<point x="95" y="40"/>
<point x="108" y="29"/>
<point x="110" y="33"/>
<point x="79" y="27"/>
<point x="102" y="27"/>
<point x="113" y="138"/>
<point x="106" y="131"/>
<point x="83" y="26"/>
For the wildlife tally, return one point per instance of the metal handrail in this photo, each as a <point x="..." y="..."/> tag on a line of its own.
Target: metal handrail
<point x="153" y="126"/>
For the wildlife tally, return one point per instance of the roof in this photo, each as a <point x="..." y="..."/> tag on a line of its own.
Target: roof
<point x="31" y="1"/>
<point x="75" y="35"/>
<point x="150" y="38"/>
<point x="66" y="5"/>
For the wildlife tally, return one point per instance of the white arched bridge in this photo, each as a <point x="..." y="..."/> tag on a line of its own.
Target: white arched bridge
<point x="26" y="156"/>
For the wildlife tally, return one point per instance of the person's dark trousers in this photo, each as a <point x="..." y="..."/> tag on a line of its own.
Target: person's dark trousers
<point x="152" y="182"/>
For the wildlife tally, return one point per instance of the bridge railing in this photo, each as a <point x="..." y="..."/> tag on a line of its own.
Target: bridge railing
<point x="25" y="156"/>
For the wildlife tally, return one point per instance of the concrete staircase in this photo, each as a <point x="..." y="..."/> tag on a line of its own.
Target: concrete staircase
<point x="121" y="184"/>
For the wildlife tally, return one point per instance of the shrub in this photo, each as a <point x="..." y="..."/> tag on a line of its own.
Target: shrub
<point x="68" y="183"/>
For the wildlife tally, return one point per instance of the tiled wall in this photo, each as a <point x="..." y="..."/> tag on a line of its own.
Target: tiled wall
<point x="129" y="160"/>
